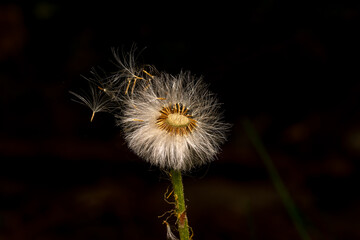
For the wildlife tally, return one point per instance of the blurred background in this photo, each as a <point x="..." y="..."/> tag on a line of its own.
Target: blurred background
<point x="290" y="67"/>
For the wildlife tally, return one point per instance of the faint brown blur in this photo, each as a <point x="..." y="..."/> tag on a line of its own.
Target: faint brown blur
<point x="12" y="31"/>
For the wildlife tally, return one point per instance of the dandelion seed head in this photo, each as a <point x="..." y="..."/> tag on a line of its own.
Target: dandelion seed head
<point x="171" y="121"/>
<point x="181" y="123"/>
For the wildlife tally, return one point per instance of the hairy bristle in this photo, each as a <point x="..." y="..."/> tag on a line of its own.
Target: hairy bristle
<point x="172" y="121"/>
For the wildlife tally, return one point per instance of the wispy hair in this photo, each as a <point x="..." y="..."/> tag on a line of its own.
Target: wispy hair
<point x="171" y="121"/>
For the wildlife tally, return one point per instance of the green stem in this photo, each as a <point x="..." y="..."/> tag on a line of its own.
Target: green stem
<point x="276" y="180"/>
<point x="183" y="226"/>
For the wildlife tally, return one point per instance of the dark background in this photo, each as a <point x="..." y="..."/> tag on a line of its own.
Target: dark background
<point x="291" y="67"/>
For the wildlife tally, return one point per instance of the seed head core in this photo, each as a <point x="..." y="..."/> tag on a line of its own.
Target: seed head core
<point x="176" y="120"/>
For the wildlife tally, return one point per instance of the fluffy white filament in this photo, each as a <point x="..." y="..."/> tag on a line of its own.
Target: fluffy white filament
<point x="137" y="97"/>
<point x="181" y="152"/>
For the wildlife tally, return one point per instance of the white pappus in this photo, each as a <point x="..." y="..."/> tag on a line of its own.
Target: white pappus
<point x="171" y="121"/>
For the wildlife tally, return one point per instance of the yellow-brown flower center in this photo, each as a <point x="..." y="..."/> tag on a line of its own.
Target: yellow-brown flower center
<point x="176" y="120"/>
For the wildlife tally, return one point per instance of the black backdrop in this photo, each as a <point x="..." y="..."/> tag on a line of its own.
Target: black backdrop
<point x="291" y="68"/>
